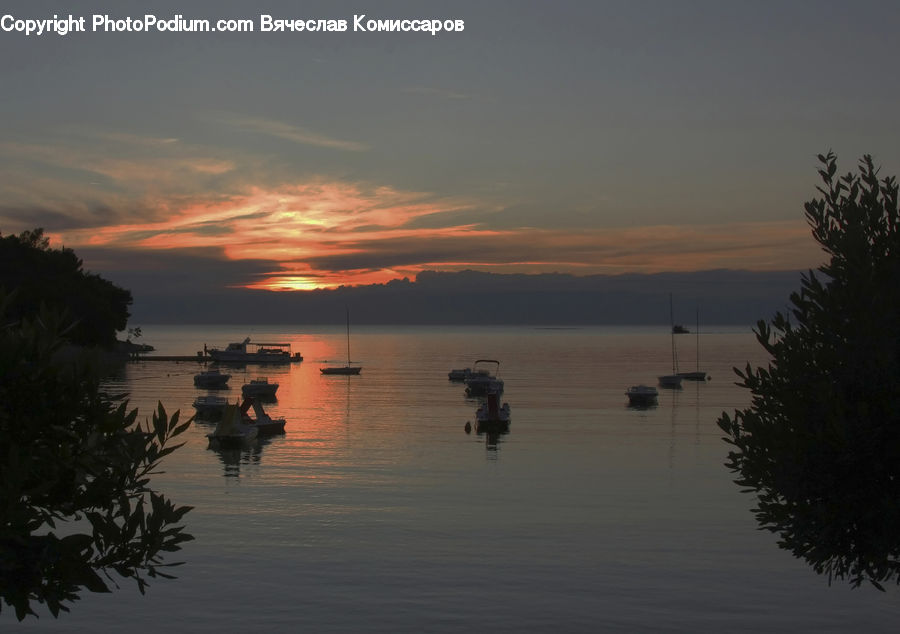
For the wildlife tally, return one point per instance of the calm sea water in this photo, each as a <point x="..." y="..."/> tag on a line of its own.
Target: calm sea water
<point x="376" y="512"/>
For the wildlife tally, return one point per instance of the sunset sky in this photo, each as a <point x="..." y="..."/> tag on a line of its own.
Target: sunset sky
<point x="581" y="137"/>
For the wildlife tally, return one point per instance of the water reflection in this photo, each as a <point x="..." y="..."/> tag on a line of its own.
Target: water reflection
<point x="233" y="458"/>
<point x="492" y="433"/>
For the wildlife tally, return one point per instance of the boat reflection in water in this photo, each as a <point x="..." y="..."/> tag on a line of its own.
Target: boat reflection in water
<point x="234" y="458"/>
<point x="492" y="437"/>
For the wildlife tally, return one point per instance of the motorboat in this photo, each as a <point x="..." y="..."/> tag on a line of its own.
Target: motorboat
<point x="248" y="352"/>
<point x="264" y="424"/>
<point x="483" y="379"/>
<point x="212" y="380"/>
<point x="209" y="407"/>
<point x="491" y="416"/>
<point x="642" y="395"/>
<point x="232" y="432"/>
<point x="260" y="388"/>
<point x="345" y="369"/>
<point x="670" y="381"/>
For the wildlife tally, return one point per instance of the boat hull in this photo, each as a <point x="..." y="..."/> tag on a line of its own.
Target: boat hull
<point x="266" y="390"/>
<point x="272" y="427"/>
<point x="344" y="370"/>
<point x="212" y="380"/>
<point x="209" y="408"/>
<point x="222" y="356"/>
<point x="693" y="376"/>
<point x="670" y="381"/>
<point x="642" y="396"/>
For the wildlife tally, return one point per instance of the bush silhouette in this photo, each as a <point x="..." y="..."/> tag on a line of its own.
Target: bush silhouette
<point x="820" y="443"/>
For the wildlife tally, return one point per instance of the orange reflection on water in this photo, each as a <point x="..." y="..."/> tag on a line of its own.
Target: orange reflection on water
<point x="317" y="410"/>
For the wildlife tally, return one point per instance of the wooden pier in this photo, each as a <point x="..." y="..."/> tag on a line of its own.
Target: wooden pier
<point x="197" y="358"/>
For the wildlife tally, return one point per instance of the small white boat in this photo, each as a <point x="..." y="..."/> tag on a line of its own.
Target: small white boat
<point x="212" y="380"/>
<point x="209" y="406"/>
<point x="260" y="388"/>
<point x="232" y="432"/>
<point x="482" y="381"/>
<point x="642" y="395"/>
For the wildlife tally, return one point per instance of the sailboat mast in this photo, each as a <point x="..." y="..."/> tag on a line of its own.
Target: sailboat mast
<point x="698" y="338"/>
<point x="348" y="336"/>
<point x="672" y="328"/>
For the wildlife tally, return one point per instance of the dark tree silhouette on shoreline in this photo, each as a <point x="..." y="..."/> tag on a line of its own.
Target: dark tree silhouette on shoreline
<point x="820" y="444"/>
<point x="39" y="274"/>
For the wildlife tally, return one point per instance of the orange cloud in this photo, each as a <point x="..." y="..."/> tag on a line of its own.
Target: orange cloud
<point x="326" y="233"/>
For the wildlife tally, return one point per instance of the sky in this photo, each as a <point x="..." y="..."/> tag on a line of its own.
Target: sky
<point x="578" y="137"/>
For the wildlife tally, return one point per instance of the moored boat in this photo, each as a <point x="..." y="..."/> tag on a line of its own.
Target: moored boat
<point x="212" y="380"/>
<point x="642" y="395"/>
<point x="232" y="432"/>
<point x="209" y="407"/>
<point x="260" y="388"/>
<point x="670" y="381"/>
<point x="345" y="369"/>
<point x="247" y="352"/>
<point x="482" y="380"/>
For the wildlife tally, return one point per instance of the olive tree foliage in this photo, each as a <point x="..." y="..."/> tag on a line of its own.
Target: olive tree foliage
<point x="40" y="274"/>
<point x="820" y="443"/>
<point x="77" y="511"/>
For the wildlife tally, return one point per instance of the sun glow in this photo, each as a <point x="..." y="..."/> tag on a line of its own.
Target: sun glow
<point x="291" y="283"/>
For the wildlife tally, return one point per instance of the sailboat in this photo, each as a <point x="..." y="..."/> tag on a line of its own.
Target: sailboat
<point x="698" y="375"/>
<point x="672" y="380"/>
<point x="347" y="369"/>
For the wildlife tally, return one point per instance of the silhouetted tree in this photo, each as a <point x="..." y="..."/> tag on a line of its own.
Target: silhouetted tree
<point x="55" y="277"/>
<point x="73" y="461"/>
<point x="820" y="443"/>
